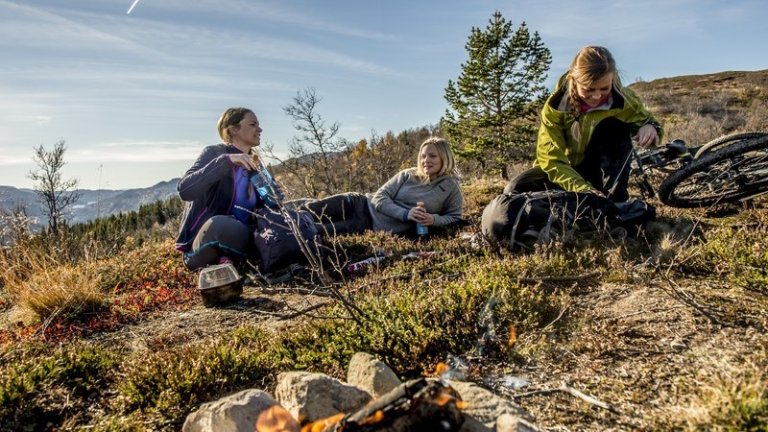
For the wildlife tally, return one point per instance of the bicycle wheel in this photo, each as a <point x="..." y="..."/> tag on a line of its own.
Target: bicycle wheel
<point x="726" y="140"/>
<point x="730" y="174"/>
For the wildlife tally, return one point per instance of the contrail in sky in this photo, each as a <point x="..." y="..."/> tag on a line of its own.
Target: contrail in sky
<point x="135" y="2"/>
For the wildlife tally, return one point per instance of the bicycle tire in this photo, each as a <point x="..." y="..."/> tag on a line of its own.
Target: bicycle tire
<point x="730" y="174"/>
<point x="726" y="139"/>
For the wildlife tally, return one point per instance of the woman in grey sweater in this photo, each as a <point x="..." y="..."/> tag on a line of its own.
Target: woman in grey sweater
<point x="393" y="208"/>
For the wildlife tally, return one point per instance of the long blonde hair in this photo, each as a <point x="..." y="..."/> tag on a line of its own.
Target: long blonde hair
<point x="590" y="64"/>
<point x="446" y="157"/>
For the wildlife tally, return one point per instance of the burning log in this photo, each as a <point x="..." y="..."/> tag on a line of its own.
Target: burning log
<point x="417" y="405"/>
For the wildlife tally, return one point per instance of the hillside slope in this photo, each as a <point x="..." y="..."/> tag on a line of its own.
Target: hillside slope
<point x="669" y="329"/>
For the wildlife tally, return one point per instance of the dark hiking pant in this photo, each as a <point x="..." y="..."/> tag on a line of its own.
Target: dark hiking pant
<point x="605" y="165"/>
<point x="219" y="236"/>
<point x="345" y="213"/>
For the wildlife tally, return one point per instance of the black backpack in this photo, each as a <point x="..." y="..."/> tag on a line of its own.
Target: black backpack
<point x="276" y="240"/>
<point x="521" y="220"/>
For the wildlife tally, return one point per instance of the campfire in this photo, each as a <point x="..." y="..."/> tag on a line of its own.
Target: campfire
<point x="417" y="405"/>
<point x="372" y="398"/>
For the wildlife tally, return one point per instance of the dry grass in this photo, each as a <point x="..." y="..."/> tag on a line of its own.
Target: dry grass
<point x="44" y="288"/>
<point x="731" y="394"/>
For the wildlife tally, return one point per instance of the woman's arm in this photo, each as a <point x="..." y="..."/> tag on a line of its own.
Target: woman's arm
<point x="648" y="130"/>
<point x="550" y="156"/>
<point x="452" y="207"/>
<point x="210" y="167"/>
<point x="384" y="198"/>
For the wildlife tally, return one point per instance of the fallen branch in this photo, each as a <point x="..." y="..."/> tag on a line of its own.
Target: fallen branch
<point x="571" y="278"/>
<point x="571" y="391"/>
<point x="640" y="312"/>
<point x="562" y="311"/>
<point x="305" y="311"/>
<point x="294" y="290"/>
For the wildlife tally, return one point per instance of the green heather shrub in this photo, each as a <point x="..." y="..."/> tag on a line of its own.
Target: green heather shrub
<point x="30" y="377"/>
<point x="175" y="381"/>
<point x="733" y="253"/>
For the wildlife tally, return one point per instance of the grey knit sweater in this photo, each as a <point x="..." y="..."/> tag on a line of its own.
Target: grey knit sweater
<point x="390" y="204"/>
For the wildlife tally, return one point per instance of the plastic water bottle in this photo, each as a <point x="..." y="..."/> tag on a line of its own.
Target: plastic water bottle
<point x="266" y="187"/>
<point x="421" y="229"/>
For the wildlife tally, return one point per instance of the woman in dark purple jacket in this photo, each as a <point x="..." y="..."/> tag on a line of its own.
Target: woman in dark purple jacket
<point x="214" y="228"/>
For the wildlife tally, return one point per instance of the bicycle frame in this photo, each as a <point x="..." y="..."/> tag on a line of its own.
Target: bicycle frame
<point x="730" y="169"/>
<point x="675" y="152"/>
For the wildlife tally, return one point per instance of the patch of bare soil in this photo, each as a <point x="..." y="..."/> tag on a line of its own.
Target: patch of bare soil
<point x="161" y="331"/>
<point x="653" y="352"/>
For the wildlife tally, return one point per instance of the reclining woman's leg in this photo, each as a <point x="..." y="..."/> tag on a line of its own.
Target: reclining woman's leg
<point x="345" y="213"/>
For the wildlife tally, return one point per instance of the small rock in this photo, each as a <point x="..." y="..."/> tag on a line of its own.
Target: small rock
<point x="370" y="374"/>
<point x="678" y="345"/>
<point x="484" y="405"/>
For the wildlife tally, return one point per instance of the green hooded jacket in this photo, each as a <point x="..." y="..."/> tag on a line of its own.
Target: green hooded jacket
<point x="562" y="140"/>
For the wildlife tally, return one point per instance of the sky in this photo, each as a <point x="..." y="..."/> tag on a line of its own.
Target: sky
<point x="136" y="96"/>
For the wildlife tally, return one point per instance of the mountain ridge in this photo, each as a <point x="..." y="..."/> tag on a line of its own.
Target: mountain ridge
<point x="91" y="204"/>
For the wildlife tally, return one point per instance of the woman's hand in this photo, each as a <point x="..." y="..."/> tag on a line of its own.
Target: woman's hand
<point x="646" y="136"/>
<point x="249" y="162"/>
<point x="420" y="215"/>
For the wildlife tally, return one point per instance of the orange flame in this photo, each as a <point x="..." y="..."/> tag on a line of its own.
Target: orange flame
<point x="443" y="398"/>
<point x="512" y="336"/>
<point x="441" y="368"/>
<point x="276" y="419"/>
<point x="322" y="424"/>
<point x="373" y="419"/>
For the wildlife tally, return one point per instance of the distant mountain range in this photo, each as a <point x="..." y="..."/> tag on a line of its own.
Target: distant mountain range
<point x="92" y="204"/>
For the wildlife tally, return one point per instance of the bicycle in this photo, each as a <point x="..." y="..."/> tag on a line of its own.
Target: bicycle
<point x="729" y="169"/>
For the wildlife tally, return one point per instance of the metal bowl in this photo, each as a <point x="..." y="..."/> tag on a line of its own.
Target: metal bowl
<point x="219" y="284"/>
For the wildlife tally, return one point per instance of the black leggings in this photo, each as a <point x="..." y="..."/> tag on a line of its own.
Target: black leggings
<point x="605" y="165"/>
<point x="219" y="236"/>
<point x="345" y="213"/>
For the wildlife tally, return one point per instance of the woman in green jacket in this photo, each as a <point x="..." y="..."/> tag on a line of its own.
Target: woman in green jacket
<point x="588" y="126"/>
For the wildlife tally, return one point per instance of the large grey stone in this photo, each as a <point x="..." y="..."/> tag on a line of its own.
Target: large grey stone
<point x="313" y="396"/>
<point x="236" y="412"/>
<point x="370" y="374"/>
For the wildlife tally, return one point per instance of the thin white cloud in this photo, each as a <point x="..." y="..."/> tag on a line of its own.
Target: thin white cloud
<point x="138" y="151"/>
<point x="34" y="27"/>
<point x="156" y="42"/>
<point x="275" y="12"/>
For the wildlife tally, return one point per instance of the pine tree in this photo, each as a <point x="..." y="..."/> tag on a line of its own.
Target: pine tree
<point x="494" y="104"/>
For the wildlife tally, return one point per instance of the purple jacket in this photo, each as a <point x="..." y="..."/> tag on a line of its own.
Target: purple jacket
<point x="208" y="189"/>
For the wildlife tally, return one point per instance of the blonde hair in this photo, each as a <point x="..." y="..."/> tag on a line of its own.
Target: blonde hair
<point x="231" y="117"/>
<point x="446" y="157"/>
<point x="590" y="65"/>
